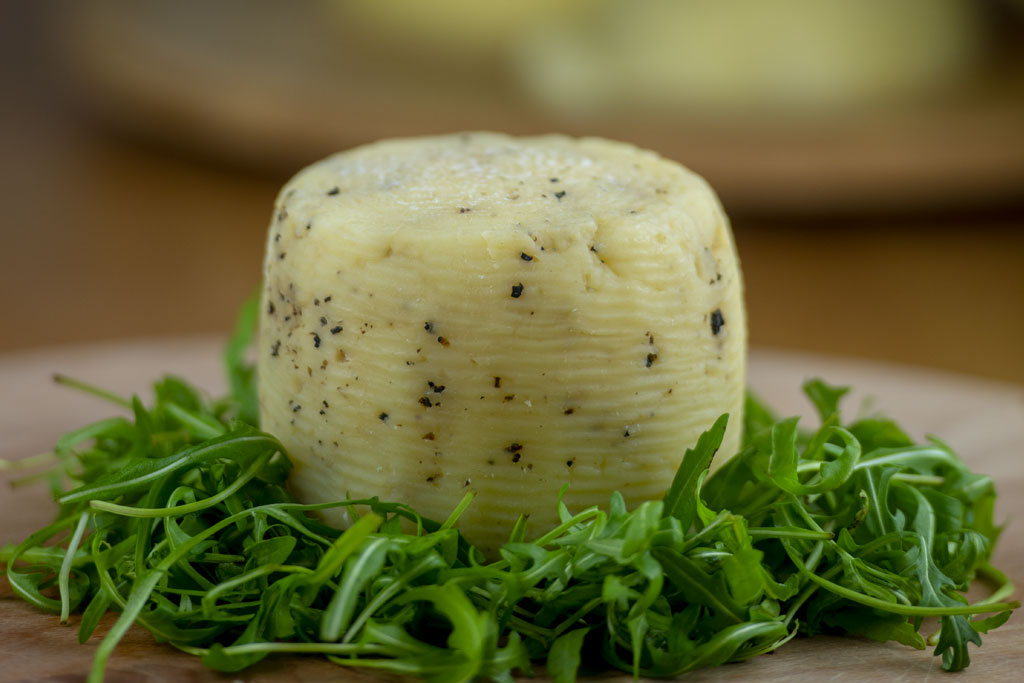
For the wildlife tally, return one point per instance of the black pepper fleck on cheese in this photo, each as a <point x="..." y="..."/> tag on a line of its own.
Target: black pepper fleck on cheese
<point x="517" y="290"/>
<point x="717" y="321"/>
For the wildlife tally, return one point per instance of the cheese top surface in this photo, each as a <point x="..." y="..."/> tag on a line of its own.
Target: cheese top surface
<point x="431" y="185"/>
<point x="499" y="314"/>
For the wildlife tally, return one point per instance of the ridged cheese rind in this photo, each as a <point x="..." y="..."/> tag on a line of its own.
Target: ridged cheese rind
<point x="497" y="314"/>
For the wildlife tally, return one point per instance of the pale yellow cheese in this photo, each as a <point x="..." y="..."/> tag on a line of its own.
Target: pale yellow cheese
<point x="496" y="314"/>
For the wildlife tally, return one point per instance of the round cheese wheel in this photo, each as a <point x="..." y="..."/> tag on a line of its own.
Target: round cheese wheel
<point x="502" y="315"/>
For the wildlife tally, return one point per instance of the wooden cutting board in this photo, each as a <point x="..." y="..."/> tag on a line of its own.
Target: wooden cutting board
<point x="982" y="420"/>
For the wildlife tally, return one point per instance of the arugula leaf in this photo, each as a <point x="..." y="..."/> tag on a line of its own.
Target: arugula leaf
<point x="954" y="635"/>
<point x="915" y="526"/>
<point x="825" y="397"/>
<point x="681" y="495"/>
<point x="783" y="466"/>
<point x="241" y="373"/>
<point x="179" y="519"/>
<point x="564" y="656"/>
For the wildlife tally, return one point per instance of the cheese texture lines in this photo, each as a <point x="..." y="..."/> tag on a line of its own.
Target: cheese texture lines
<point x="500" y="314"/>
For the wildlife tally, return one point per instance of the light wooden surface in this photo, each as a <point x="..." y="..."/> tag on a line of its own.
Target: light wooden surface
<point x="983" y="420"/>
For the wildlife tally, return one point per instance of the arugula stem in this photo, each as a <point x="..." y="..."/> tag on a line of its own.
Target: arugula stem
<point x="577" y="616"/>
<point x="907" y="455"/>
<point x="92" y="389"/>
<point x="155" y="470"/>
<point x="295" y="648"/>
<point x="32" y="478"/>
<point x="43" y="555"/>
<point x="708" y="531"/>
<point x="919" y="479"/>
<point x="29" y="462"/>
<point x="209" y="601"/>
<point x="907" y="610"/>
<point x="813" y="559"/>
<point x="453" y="518"/>
<point x="218" y="558"/>
<point x="789" y="532"/>
<point x="20" y="583"/>
<point x="806" y="466"/>
<point x="133" y="606"/>
<point x="205" y="429"/>
<point x="424" y="565"/>
<point x="187" y="509"/>
<point x="993" y="576"/>
<point x="578" y="518"/>
<point x="65" y="567"/>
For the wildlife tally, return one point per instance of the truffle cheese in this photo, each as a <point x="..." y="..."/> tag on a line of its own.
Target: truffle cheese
<point x="497" y="314"/>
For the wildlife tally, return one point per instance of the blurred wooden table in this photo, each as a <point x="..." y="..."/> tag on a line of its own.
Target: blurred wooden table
<point x="106" y="238"/>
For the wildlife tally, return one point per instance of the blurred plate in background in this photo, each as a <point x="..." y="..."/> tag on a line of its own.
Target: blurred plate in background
<point x="276" y="85"/>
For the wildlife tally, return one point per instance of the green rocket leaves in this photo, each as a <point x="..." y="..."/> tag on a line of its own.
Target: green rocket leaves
<point x="179" y="519"/>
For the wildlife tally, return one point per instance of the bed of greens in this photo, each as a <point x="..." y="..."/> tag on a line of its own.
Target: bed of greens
<point x="178" y="518"/>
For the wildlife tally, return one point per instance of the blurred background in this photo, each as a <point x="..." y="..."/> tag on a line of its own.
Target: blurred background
<point x="869" y="153"/>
